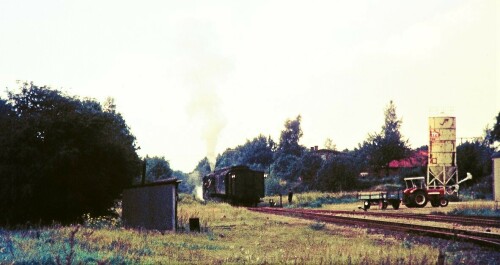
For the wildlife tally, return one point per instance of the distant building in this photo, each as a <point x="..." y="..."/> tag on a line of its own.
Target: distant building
<point x="325" y="154"/>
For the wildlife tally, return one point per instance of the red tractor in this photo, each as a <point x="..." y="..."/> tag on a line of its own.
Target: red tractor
<point x="417" y="194"/>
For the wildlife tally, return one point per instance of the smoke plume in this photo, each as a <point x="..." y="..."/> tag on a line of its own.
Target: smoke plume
<point x="205" y="71"/>
<point x="203" y="107"/>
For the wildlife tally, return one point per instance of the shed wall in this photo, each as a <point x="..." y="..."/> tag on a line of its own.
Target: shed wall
<point x="150" y="207"/>
<point x="496" y="178"/>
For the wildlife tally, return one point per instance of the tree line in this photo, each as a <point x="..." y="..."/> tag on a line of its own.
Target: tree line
<point x="291" y="165"/>
<point x="62" y="156"/>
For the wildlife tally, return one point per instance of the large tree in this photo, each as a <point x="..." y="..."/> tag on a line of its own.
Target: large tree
<point x="257" y="154"/>
<point x="387" y="145"/>
<point x="337" y="174"/>
<point x="311" y="164"/>
<point x="289" y="139"/>
<point x="474" y="157"/>
<point x="287" y="158"/>
<point x="157" y="168"/>
<point x="493" y="135"/>
<point x="203" y="167"/>
<point x="61" y="157"/>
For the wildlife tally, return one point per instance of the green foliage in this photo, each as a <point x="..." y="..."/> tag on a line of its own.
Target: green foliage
<point x="480" y="190"/>
<point x="474" y="157"/>
<point x="286" y="167"/>
<point x="186" y="185"/>
<point x="273" y="185"/>
<point x="157" y="168"/>
<point x="256" y="154"/>
<point x="289" y="139"/>
<point x="101" y="222"/>
<point x="381" y="148"/>
<point x="61" y="157"/>
<point x="187" y="199"/>
<point x="337" y="174"/>
<point x="493" y="135"/>
<point x="203" y="168"/>
<point x="317" y="226"/>
<point x="229" y="158"/>
<point x="311" y="164"/>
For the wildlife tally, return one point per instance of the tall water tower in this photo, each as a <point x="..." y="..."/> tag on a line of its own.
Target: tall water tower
<point x="442" y="159"/>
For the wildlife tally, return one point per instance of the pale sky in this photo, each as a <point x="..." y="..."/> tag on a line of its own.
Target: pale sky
<point x="196" y="77"/>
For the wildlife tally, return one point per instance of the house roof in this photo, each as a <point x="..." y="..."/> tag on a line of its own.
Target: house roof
<point x="417" y="159"/>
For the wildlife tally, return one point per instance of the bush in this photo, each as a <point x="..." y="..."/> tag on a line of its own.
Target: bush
<point x="61" y="157"/>
<point x="337" y="174"/>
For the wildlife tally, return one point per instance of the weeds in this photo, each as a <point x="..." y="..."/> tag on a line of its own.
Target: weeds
<point x="231" y="235"/>
<point x="477" y="209"/>
<point x="71" y="253"/>
<point x="101" y="222"/>
<point x="317" y="226"/>
<point x="6" y="244"/>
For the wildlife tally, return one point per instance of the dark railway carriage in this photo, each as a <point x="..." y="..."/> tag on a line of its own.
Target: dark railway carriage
<point x="237" y="185"/>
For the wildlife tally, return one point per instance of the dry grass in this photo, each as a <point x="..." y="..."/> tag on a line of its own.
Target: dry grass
<point x="230" y="235"/>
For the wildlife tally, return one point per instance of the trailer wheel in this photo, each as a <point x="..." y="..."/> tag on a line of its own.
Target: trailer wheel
<point x="419" y="199"/>
<point x="435" y="203"/>
<point x="383" y="205"/>
<point x="395" y="205"/>
<point x="443" y="202"/>
<point x="366" y="205"/>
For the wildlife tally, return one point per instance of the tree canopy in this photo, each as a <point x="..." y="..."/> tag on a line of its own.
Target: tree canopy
<point x="493" y="135"/>
<point x="256" y="153"/>
<point x="381" y="148"/>
<point x="289" y="139"/>
<point x="157" y="168"/>
<point x="61" y="156"/>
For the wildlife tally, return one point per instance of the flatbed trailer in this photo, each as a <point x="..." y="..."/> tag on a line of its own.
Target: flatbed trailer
<point x="381" y="198"/>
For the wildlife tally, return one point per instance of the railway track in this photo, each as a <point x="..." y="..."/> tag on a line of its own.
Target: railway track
<point x="480" y="238"/>
<point x="462" y="220"/>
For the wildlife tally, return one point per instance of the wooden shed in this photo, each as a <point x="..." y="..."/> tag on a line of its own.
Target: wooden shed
<point x="151" y="206"/>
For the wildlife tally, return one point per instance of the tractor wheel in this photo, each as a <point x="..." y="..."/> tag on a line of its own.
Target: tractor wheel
<point x="419" y="199"/>
<point x="443" y="202"/>
<point x="395" y="205"/>
<point x="435" y="203"/>
<point x="366" y="205"/>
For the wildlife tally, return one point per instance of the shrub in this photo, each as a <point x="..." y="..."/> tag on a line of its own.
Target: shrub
<point x="61" y="157"/>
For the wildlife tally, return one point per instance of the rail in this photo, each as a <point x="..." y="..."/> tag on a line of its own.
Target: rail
<point x="480" y="238"/>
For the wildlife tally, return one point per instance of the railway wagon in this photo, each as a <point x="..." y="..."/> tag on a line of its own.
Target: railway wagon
<point x="238" y="185"/>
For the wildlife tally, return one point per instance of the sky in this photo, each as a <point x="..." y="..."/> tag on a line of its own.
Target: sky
<point x="193" y="78"/>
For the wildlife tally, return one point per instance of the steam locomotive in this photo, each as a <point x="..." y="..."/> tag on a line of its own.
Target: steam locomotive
<point x="237" y="185"/>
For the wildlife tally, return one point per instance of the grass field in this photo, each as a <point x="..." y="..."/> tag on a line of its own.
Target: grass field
<point x="231" y="235"/>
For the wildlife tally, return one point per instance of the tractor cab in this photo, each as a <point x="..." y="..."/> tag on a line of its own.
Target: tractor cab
<point x="415" y="183"/>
